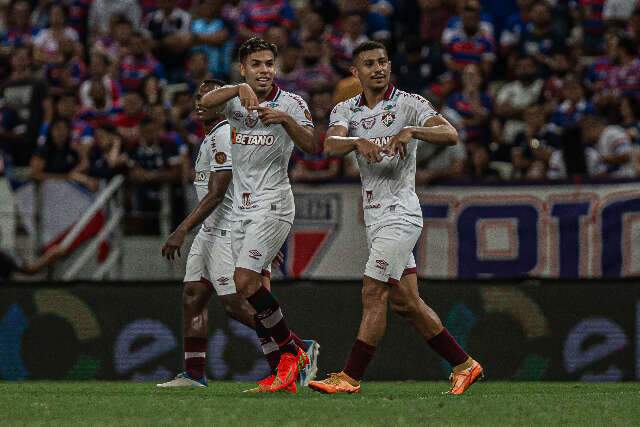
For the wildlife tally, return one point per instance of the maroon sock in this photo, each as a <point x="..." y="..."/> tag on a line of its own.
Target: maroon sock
<point x="195" y="352"/>
<point x="359" y="358"/>
<point x="269" y="347"/>
<point x="270" y="315"/>
<point x="447" y="347"/>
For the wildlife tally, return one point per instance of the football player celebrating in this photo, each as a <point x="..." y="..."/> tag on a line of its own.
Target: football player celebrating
<point x="384" y="125"/>
<point x="265" y="123"/>
<point x="210" y="262"/>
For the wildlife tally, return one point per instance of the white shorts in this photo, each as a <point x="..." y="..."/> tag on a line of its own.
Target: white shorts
<point x="256" y="242"/>
<point x="391" y="250"/>
<point x="210" y="261"/>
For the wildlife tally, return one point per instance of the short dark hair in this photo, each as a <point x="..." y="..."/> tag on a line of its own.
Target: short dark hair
<point x="255" y="44"/>
<point x="367" y="46"/>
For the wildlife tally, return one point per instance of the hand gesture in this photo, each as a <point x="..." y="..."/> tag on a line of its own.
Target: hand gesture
<point x="269" y="116"/>
<point x="173" y="244"/>
<point x="370" y="151"/>
<point x="248" y="98"/>
<point x="398" y="144"/>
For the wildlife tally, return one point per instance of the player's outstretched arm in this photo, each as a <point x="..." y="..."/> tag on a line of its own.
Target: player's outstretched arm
<point x="218" y="184"/>
<point x="220" y="96"/>
<point x="436" y="130"/>
<point x="338" y="143"/>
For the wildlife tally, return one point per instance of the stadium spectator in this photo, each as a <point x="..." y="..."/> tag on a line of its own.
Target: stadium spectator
<point x="597" y="73"/>
<point x="129" y="119"/>
<point x="612" y="144"/>
<point x="137" y="64"/>
<point x="11" y="132"/>
<point x="534" y="145"/>
<point x="183" y="120"/>
<point x="515" y="96"/>
<point x="438" y="162"/>
<point x="26" y="93"/>
<point x="256" y="16"/>
<point x="591" y="24"/>
<point x="102" y="10"/>
<point x="472" y="107"/>
<point x="170" y="28"/>
<point x="478" y="167"/>
<point x="55" y="158"/>
<point x="630" y="117"/>
<point x="116" y="42"/>
<point x="575" y="158"/>
<point x="99" y="66"/>
<point x="65" y="107"/>
<point x="79" y="17"/>
<point x="539" y="37"/>
<point x="415" y="66"/>
<point x="213" y="36"/>
<point x="468" y="43"/>
<point x="514" y="27"/>
<point x="153" y="162"/>
<point x="106" y="156"/>
<point x="197" y="70"/>
<point x="19" y="31"/>
<point x="152" y="91"/>
<point x="351" y="35"/>
<point x="314" y="71"/>
<point x="434" y="16"/>
<point x="317" y="167"/>
<point x="67" y="72"/>
<point x="574" y="104"/>
<point x="287" y="63"/>
<point x="49" y="41"/>
<point x="624" y="78"/>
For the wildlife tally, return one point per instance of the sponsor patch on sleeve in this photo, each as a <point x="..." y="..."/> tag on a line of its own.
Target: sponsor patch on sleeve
<point x="220" y="157"/>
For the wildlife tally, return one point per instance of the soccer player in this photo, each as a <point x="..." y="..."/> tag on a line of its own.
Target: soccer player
<point x="265" y="123"/>
<point x="384" y="125"/>
<point x="210" y="262"/>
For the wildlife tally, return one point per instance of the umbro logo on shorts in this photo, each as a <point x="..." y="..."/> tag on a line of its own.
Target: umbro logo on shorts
<point x="223" y="280"/>
<point x="255" y="254"/>
<point x="382" y="264"/>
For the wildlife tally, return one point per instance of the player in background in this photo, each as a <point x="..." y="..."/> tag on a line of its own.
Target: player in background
<point x="384" y="125"/>
<point x="265" y="122"/>
<point x="210" y="261"/>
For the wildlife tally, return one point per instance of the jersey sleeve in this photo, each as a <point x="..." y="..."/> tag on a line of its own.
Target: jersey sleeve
<point x="221" y="150"/>
<point x="340" y="115"/>
<point x="420" y="110"/>
<point x="227" y="108"/>
<point x="299" y="110"/>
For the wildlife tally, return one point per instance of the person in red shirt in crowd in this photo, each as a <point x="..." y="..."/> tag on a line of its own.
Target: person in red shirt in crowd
<point x="257" y="16"/>
<point x="128" y="121"/>
<point x="137" y="63"/>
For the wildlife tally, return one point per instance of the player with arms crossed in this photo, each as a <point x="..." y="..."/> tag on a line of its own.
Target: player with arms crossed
<point x="384" y="125"/>
<point x="210" y="261"/>
<point x="265" y="123"/>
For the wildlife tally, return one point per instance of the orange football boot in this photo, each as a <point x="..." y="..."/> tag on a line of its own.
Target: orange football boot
<point x="289" y="369"/>
<point x="336" y="383"/>
<point x="264" y="386"/>
<point x="461" y="379"/>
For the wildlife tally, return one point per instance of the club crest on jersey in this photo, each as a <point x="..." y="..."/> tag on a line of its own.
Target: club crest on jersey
<point x="250" y="120"/>
<point x="354" y="124"/>
<point x="220" y="157"/>
<point x="369" y="196"/>
<point x="246" y="200"/>
<point x="368" y="122"/>
<point x="388" y="119"/>
<point x="369" y="200"/>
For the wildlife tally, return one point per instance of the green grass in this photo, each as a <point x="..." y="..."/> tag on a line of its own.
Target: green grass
<point x="392" y="403"/>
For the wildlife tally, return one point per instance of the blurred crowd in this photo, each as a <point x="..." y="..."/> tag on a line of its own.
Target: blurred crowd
<point x="538" y="89"/>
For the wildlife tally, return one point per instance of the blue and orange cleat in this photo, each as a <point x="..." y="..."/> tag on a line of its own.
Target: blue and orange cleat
<point x="465" y="377"/>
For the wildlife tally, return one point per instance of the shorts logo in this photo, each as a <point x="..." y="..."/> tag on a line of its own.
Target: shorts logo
<point x="250" y="120"/>
<point x="223" y="280"/>
<point x="237" y="115"/>
<point x="388" y="119"/>
<point x="307" y="114"/>
<point x="369" y="122"/>
<point x="255" y="254"/>
<point x="220" y="157"/>
<point x="381" y="264"/>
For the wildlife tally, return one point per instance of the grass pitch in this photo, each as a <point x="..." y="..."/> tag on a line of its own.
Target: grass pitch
<point x="384" y="403"/>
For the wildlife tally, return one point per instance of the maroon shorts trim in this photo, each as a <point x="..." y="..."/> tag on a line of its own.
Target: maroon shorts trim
<point x="266" y="273"/>
<point x="392" y="281"/>
<point x="407" y="271"/>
